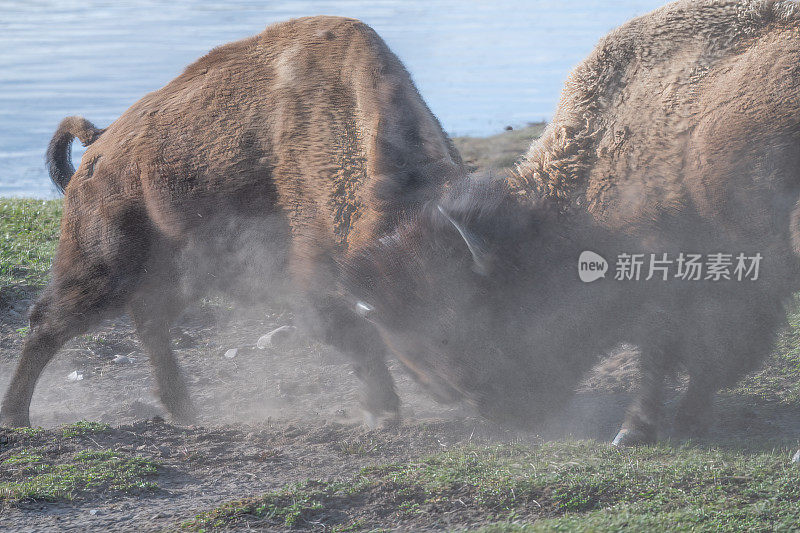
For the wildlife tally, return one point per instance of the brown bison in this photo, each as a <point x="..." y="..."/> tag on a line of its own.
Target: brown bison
<point x="256" y="172"/>
<point x="680" y="133"/>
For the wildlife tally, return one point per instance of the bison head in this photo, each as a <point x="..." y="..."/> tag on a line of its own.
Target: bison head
<point x="478" y="295"/>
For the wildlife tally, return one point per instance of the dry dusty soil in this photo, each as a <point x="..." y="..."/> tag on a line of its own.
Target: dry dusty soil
<point x="268" y="418"/>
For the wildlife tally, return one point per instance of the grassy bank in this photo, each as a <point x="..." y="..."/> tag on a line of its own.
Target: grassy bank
<point x="498" y="151"/>
<point x="565" y="486"/>
<point x="29" y="230"/>
<point x="66" y="464"/>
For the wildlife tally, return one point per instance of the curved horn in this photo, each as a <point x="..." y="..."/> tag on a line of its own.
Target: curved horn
<point x="479" y="253"/>
<point x="364" y="309"/>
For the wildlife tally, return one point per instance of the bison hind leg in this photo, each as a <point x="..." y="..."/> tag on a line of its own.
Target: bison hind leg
<point x="75" y="300"/>
<point x="733" y="345"/>
<point x="153" y="312"/>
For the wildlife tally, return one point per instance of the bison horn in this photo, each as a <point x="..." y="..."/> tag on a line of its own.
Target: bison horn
<point x="479" y="254"/>
<point x="363" y="309"/>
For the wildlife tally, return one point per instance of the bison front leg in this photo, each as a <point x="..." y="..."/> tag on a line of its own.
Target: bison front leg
<point x="358" y="339"/>
<point x="378" y="395"/>
<point x="694" y="411"/>
<point x="153" y="316"/>
<point x="644" y="415"/>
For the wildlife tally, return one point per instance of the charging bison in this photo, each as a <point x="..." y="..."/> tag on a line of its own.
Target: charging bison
<point x="255" y="172"/>
<point x="679" y="134"/>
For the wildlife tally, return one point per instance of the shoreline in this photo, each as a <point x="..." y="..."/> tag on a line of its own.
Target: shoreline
<point x="495" y="151"/>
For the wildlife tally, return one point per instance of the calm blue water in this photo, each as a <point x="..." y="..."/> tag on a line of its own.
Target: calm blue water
<point x="480" y="65"/>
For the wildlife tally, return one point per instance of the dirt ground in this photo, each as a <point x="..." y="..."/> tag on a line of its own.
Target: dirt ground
<point x="267" y="417"/>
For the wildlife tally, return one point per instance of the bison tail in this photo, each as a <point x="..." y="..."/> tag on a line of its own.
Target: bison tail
<point x="59" y="151"/>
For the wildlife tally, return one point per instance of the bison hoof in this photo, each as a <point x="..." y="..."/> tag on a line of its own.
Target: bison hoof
<point x="15" y="420"/>
<point x="796" y="457"/>
<point x="183" y="414"/>
<point x="632" y="437"/>
<point x="391" y="420"/>
<point x="185" y="418"/>
<point x="371" y="420"/>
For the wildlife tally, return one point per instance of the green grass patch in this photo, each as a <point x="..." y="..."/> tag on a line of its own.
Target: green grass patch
<point x="44" y="474"/>
<point x="26" y="431"/>
<point x="29" y="231"/>
<point x="84" y="427"/>
<point x="565" y="486"/>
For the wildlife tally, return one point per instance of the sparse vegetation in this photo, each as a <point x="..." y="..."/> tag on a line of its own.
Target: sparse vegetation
<point x="779" y="379"/>
<point x="30" y="232"/>
<point x="499" y="151"/>
<point x="54" y="465"/>
<point x="44" y="473"/>
<point x="360" y="446"/>
<point x="84" y="427"/>
<point x="565" y="486"/>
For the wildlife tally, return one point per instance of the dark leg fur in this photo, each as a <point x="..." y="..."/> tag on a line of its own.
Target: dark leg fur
<point x="59" y="314"/>
<point x="644" y="415"/>
<point x="153" y="312"/>
<point x="694" y="413"/>
<point x="87" y="286"/>
<point x="355" y="337"/>
<point x="732" y="345"/>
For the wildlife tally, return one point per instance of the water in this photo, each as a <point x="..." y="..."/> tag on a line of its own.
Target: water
<point x="480" y="65"/>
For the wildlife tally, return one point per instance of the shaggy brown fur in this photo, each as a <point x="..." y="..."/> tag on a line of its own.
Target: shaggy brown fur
<point x="679" y="133"/>
<point x="256" y="171"/>
<point x="682" y="129"/>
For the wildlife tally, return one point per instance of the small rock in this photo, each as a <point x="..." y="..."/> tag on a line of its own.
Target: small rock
<point x="274" y="337"/>
<point x="122" y="360"/>
<point x="75" y="376"/>
<point x="94" y="512"/>
<point x="509" y="128"/>
<point x="230" y="354"/>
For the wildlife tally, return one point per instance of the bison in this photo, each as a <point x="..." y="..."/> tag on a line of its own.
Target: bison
<point x="679" y="134"/>
<point x="255" y="173"/>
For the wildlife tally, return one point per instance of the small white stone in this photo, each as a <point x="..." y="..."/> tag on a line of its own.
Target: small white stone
<point x="230" y="354"/>
<point x="93" y="512"/>
<point x="265" y="341"/>
<point x="75" y="376"/>
<point x="796" y="457"/>
<point x="121" y="359"/>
